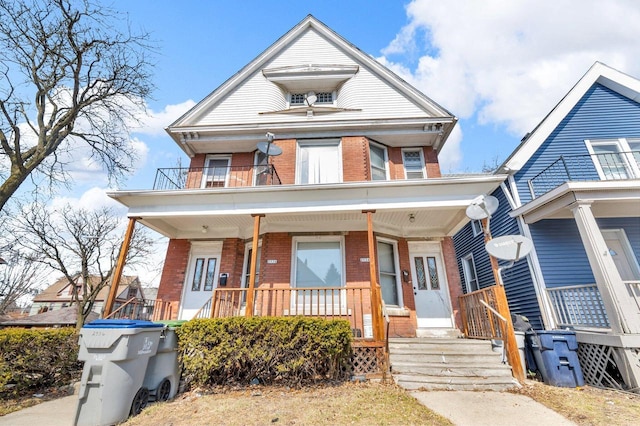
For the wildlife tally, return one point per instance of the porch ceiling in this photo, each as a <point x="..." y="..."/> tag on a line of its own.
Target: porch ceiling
<point x="437" y="205"/>
<point x="607" y="198"/>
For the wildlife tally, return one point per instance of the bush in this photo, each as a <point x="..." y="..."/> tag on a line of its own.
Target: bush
<point x="285" y="351"/>
<point x="35" y="359"/>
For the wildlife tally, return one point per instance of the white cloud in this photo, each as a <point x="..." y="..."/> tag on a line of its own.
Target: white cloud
<point x="153" y="123"/>
<point x="510" y="62"/>
<point x="450" y="158"/>
<point x="92" y="199"/>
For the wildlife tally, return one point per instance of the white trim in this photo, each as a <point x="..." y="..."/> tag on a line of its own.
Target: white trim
<point x="317" y="143"/>
<point x="631" y="168"/>
<point x="422" y="162"/>
<point x="621" y="236"/>
<point x="396" y="261"/>
<point x="329" y="238"/>
<point x="476" y="224"/>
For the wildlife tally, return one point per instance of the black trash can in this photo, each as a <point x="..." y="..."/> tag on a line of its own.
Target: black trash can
<point x="556" y="357"/>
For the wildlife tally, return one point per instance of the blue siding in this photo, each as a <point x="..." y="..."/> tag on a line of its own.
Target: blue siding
<point x="561" y="253"/>
<point x="600" y="114"/>
<point x="517" y="279"/>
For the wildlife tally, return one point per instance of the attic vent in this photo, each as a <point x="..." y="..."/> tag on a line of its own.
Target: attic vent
<point x="321" y="98"/>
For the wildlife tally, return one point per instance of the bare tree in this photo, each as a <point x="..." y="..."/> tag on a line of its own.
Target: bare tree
<point x="83" y="245"/>
<point x="69" y="78"/>
<point x="18" y="277"/>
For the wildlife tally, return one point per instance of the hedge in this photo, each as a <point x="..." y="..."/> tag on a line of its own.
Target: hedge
<point x="35" y="359"/>
<point x="286" y="351"/>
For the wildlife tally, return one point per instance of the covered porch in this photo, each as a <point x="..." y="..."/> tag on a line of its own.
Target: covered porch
<point x="596" y="223"/>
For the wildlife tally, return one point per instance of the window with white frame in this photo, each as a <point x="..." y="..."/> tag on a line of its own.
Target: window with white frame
<point x="261" y="169"/>
<point x="311" y="98"/>
<point x="246" y="276"/>
<point x="378" y="160"/>
<point x="388" y="273"/>
<point x="470" y="276"/>
<point x="413" y="163"/>
<point x="476" y="225"/>
<point x="319" y="161"/>
<point x="616" y="159"/>
<point x="215" y="172"/>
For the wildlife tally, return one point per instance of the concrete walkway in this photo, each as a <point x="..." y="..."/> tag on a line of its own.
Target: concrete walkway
<point x="462" y="408"/>
<point x="489" y="408"/>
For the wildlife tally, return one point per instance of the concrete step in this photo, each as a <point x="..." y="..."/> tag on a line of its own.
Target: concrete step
<point x="455" y="370"/>
<point x="445" y="357"/>
<point x="413" y="382"/>
<point x="437" y="349"/>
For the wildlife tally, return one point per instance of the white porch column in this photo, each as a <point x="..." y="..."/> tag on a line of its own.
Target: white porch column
<point x="613" y="291"/>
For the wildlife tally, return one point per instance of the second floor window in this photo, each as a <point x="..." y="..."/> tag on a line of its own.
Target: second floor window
<point x="470" y="276"/>
<point x="378" y="159"/>
<point x="319" y="162"/>
<point x="413" y="163"/>
<point x="616" y="158"/>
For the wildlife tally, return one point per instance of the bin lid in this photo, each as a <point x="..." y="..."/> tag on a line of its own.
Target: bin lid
<point x="172" y="323"/>
<point x="121" y="323"/>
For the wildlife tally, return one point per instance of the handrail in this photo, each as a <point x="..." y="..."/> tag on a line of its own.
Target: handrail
<point x="133" y="299"/>
<point x="204" y="308"/>
<point x="386" y="342"/>
<point x="496" y="313"/>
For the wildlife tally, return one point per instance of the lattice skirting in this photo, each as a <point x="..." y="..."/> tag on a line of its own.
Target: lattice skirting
<point x="367" y="360"/>
<point x="599" y="366"/>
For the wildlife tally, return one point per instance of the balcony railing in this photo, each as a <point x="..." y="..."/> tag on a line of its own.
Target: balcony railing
<point x="349" y="303"/>
<point x="608" y="166"/>
<point x="579" y="305"/>
<point x="215" y="177"/>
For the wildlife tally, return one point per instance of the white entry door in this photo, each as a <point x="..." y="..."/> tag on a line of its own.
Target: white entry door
<point x="430" y="288"/>
<point x="201" y="279"/>
<point x="622" y="254"/>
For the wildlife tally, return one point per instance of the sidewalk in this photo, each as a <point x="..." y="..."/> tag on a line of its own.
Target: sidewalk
<point x="462" y="408"/>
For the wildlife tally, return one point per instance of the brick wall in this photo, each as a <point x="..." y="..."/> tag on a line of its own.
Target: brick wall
<point x="431" y="160"/>
<point x="396" y="168"/>
<point x="232" y="261"/>
<point x="453" y="278"/>
<point x="173" y="272"/>
<point x="285" y="163"/>
<point x="355" y="159"/>
<point x="276" y="246"/>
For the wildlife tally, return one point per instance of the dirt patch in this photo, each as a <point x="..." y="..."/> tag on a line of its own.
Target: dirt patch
<point x="587" y="405"/>
<point x="351" y="403"/>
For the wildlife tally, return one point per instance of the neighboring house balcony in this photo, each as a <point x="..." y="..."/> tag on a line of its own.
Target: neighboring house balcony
<point x="590" y="167"/>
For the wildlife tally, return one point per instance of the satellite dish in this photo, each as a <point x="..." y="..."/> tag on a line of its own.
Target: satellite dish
<point x="482" y="207"/>
<point x="310" y="98"/>
<point x="267" y="148"/>
<point x="509" y="247"/>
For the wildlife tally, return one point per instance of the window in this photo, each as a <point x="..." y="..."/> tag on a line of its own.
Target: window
<point x="261" y="169"/>
<point x="413" y="163"/>
<point x="318" y="263"/>
<point x="215" y="172"/>
<point x="378" y="159"/>
<point x="388" y="273"/>
<point x="319" y="162"/>
<point x="132" y="292"/>
<point x="204" y="274"/>
<point x="616" y="158"/>
<point x="476" y="225"/>
<point x="321" y="98"/>
<point x="470" y="276"/>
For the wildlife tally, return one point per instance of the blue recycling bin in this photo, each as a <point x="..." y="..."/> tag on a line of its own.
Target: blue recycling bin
<point x="556" y="357"/>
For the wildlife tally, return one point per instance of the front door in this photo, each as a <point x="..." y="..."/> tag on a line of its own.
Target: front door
<point x="201" y="279"/>
<point x="430" y="288"/>
<point x="621" y="253"/>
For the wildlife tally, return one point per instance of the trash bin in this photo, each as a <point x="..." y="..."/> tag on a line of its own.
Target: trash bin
<point x="116" y="353"/>
<point x="163" y="372"/>
<point x="520" y="340"/>
<point x="556" y="357"/>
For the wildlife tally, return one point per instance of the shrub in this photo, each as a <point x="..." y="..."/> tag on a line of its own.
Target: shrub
<point x="35" y="359"/>
<point x="285" y="351"/>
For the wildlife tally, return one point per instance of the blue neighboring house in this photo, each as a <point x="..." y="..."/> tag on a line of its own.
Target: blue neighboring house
<point x="573" y="188"/>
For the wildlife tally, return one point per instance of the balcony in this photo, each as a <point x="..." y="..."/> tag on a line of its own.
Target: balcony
<point x="590" y="167"/>
<point x="215" y="177"/>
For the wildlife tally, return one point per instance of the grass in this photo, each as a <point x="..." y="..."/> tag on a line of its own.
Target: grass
<point x="345" y="404"/>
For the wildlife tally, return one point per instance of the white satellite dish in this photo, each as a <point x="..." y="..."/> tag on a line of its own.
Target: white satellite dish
<point x="509" y="247"/>
<point x="482" y="207"/>
<point x="267" y="148"/>
<point x="310" y="98"/>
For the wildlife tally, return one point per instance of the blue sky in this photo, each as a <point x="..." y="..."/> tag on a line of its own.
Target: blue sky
<point x="498" y="65"/>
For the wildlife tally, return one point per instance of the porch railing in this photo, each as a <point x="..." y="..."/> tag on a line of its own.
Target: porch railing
<point x="350" y="303"/>
<point x="151" y="310"/>
<point x="633" y="287"/>
<point x="479" y="314"/>
<point x="611" y="166"/>
<point x="578" y="305"/>
<point x="215" y="177"/>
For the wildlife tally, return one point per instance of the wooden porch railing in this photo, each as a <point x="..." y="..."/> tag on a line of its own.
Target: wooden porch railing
<point x="350" y="303"/>
<point x="151" y="310"/>
<point x="478" y="321"/>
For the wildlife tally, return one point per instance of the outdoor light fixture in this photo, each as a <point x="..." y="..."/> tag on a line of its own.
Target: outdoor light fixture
<point x="412" y="217"/>
<point x="205" y="229"/>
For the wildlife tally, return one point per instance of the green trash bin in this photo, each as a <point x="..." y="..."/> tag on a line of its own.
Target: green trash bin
<point x="163" y="372"/>
<point x="115" y="355"/>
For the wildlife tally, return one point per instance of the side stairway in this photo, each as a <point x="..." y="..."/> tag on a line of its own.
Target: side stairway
<point x="448" y="364"/>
